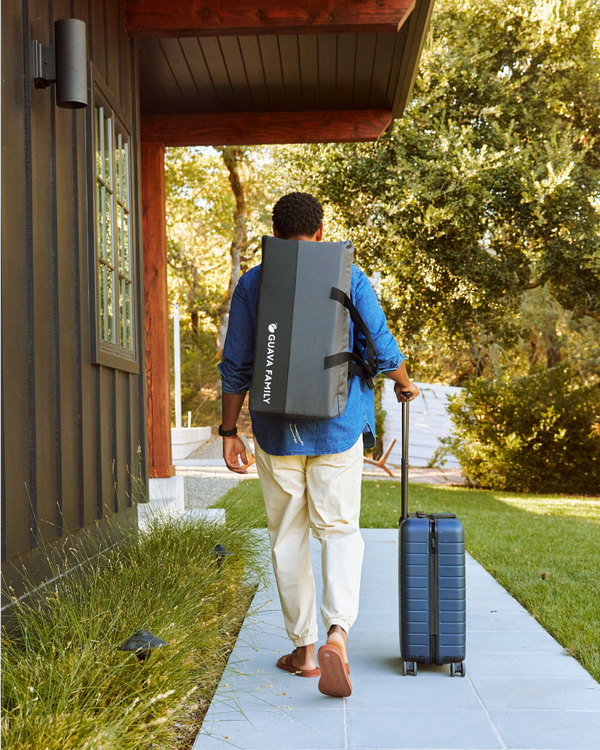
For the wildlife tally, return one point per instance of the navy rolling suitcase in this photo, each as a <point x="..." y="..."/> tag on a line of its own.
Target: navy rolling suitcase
<point x="432" y="584"/>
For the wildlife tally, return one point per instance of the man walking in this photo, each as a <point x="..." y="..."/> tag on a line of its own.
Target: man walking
<point x="311" y="469"/>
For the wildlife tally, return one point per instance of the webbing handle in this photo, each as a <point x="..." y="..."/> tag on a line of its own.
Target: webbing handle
<point x="339" y="296"/>
<point x="356" y="365"/>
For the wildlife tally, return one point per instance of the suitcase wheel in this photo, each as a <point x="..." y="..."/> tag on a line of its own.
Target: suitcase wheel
<point x="457" y="668"/>
<point x="409" y="668"/>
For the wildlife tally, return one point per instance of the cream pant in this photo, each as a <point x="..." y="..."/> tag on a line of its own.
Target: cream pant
<point x="322" y="492"/>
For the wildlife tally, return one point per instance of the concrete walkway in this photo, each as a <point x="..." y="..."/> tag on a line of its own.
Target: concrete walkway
<point x="521" y="690"/>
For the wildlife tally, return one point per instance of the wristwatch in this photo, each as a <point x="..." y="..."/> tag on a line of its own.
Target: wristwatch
<point x="227" y="433"/>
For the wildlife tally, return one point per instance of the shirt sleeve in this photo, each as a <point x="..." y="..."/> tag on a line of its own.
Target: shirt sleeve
<point x="238" y="353"/>
<point x="367" y="304"/>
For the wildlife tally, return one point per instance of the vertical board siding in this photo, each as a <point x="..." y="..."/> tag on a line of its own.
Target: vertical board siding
<point x="59" y="512"/>
<point x="67" y="342"/>
<point x="17" y="355"/>
<point x="2" y="433"/>
<point x="29" y="255"/>
<point x="100" y="482"/>
<point x="44" y="313"/>
<point x="74" y="432"/>
<point x="124" y="71"/>
<point x="129" y="419"/>
<point x="89" y="470"/>
<point x="107" y="429"/>
<point x="113" y="59"/>
<point x="122" y="443"/>
<point x="57" y="384"/>
<point x="116" y="459"/>
<point x="96" y="19"/>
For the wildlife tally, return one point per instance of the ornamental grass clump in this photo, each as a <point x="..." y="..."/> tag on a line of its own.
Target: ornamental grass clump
<point x="65" y="684"/>
<point x="539" y="433"/>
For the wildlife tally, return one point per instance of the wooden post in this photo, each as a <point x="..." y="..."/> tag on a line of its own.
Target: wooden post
<point x="158" y="378"/>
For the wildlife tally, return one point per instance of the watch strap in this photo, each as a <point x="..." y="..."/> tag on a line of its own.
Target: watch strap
<point x="227" y="433"/>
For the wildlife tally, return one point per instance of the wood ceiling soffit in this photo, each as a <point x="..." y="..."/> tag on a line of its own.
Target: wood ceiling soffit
<point x="173" y="18"/>
<point x="417" y="30"/>
<point x="258" y="128"/>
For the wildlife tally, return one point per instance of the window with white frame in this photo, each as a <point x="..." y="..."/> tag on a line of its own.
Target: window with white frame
<point x="112" y="160"/>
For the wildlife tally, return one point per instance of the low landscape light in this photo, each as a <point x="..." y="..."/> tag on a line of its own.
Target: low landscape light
<point x="141" y="643"/>
<point x="221" y="552"/>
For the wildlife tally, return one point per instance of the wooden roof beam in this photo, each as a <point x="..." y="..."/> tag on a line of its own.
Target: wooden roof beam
<point x="254" y="128"/>
<point x="175" y="18"/>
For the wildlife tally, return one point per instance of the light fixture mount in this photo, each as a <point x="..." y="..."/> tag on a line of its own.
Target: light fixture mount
<point x="44" y="65"/>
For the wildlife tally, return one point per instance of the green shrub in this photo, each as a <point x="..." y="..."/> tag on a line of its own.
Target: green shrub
<point x="539" y="433"/>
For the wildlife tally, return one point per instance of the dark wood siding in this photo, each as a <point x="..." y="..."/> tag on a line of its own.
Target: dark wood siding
<point x="73" y="432"/>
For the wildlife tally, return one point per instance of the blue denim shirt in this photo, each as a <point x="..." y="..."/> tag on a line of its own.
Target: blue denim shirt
<point x="308" y="437"/>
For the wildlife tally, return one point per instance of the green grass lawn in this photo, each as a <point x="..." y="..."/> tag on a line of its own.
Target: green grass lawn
<point x="544" y="549"/>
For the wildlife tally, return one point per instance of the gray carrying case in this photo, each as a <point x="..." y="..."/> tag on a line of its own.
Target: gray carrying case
<point x="301" y="359"/>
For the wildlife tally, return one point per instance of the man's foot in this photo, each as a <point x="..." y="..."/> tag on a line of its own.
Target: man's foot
<point x="333" y="660"/>
<point x="300" y="662"/>
<point x="338" y="637"/>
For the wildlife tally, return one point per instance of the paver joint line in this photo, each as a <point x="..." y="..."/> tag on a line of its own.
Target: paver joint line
<point x="493" y="724"/>
<point x="346" y="745"/>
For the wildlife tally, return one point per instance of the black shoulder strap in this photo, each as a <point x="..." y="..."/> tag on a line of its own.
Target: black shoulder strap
<point x="356" y="365"/>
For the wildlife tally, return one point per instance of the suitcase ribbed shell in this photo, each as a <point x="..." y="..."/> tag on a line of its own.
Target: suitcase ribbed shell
<point x="432" y="590"/>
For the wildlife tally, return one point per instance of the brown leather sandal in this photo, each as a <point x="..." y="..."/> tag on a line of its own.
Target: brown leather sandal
<point x="294" y="670"/>
<point x="335" y="679"/>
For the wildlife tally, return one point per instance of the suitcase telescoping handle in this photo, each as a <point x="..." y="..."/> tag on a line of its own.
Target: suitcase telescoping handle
<point x="404" y="460"/>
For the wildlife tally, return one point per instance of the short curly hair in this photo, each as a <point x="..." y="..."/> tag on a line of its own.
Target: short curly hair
<point x="297" y="214"/>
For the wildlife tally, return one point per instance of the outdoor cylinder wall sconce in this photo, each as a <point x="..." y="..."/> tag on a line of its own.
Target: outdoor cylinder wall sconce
<point x="65" y="64"/>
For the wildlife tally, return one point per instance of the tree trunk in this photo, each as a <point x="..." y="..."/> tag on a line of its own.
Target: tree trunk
<point x="232" y="156"/>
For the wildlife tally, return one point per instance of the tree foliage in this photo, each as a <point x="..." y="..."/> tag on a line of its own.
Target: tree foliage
<point x="490" y="183"/>
<point x="218" y="206"/>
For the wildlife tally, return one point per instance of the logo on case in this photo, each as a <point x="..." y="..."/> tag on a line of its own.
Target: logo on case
<point x="272" y="327"/>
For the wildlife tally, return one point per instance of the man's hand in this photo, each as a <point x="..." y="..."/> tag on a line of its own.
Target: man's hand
<point x="403" y="384"/>
<point x="400" y="390"/>
<point x="233" y="450"/>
